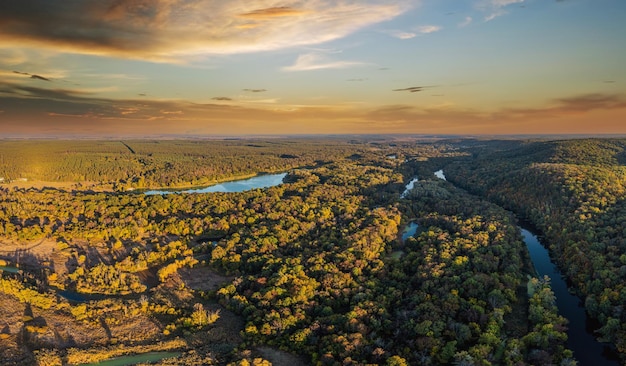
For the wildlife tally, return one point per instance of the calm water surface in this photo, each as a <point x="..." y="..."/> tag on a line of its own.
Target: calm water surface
<point x="580" y="339"/>
<point x="261" y="181"/>
<point x="409" y="186"/>
<point x="409" y="231"/>
<point x="9" y="269"/>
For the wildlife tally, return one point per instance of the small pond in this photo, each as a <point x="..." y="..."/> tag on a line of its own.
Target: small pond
<point x="409" y="231"/>
<point x="74" y="296"/>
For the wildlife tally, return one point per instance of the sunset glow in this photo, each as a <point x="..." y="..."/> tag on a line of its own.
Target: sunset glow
<point x="202" y="67"/>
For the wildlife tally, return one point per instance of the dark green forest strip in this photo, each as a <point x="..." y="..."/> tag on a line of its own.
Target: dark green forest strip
<point x="128" y="147"/>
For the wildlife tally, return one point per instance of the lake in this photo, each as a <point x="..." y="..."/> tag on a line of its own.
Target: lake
<point x="581" y="340"/>
<point x="260" y="181"/>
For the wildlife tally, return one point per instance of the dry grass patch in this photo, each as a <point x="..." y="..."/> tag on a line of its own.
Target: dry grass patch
<point x="203" y="278"/>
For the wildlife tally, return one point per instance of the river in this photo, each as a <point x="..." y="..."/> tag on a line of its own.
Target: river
<point x="9" y="269"/>
<point x="580" y="338"/>
<point x="409" y="186"/>
<point x="580" y="334"/>
<point x="260" y="181"/>
<point x="411" y="228"/>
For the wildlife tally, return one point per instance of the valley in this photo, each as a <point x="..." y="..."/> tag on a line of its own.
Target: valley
<point x="351" y="257"/>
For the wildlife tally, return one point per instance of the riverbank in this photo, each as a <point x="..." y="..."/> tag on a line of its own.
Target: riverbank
<point x="110" y="187"/>
<point x="581" y="334"/>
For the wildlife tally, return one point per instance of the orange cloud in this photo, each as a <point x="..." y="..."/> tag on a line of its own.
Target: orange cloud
<point x="31" y="110"/>
<point x="282" y="11"/>
<point x="171" y="30"/>
<point x="318" y="61"/>
<point x="568" y="106"/>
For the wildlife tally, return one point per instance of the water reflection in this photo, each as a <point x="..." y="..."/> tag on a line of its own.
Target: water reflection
<point x="439" y="174"/>
<point x="261" y="181"/>
<point x="586" y="349"/>
<point x="409" y="186"/>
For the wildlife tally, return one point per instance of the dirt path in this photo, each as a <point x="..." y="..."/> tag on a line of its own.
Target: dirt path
<point x="12" y="247"/>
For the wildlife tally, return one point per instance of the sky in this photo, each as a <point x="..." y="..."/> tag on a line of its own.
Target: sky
<point x="145" y="68"/>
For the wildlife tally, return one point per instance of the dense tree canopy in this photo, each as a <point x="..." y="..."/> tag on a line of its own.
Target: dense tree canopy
<point x="573" y="191"/>
<point x="315" y="266"/>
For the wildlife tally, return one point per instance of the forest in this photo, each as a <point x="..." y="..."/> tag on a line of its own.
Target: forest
<point x="573" y="191"/>
<point x="316" y="270"/>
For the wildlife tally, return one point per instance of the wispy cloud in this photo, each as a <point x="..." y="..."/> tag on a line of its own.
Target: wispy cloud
<point x="427" y="29"/>
<point x="466" y="22"/>
<point x="280" y="11"/>
<point x="573" y="113"/>
<point x="263" y="101"/>
<point x="12" y="56"/>
<point x="36" y="111"/>
<point x="401" y="34"/>
<point x="415" y="89"/>
<point x="38" y="77"/>
<point x="26" y="91"/>
<point x="571" y="105"/>
<point x="108" y="76"/>
<point x="173" y="30"/>
<point x="414" y="32"/>
<point x="166" y="112"/>
<point x="495" y="8"/>
<point x="32" y="76"/>
<point x="224" y="99"/>
<point x="318" y="61"/>
<point x="255" y="90"/>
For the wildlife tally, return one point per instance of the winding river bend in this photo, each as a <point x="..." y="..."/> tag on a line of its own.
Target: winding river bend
<point x="408" y="187"/>
<point x="580" y="335"/>
<point x="580" y="338"/>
